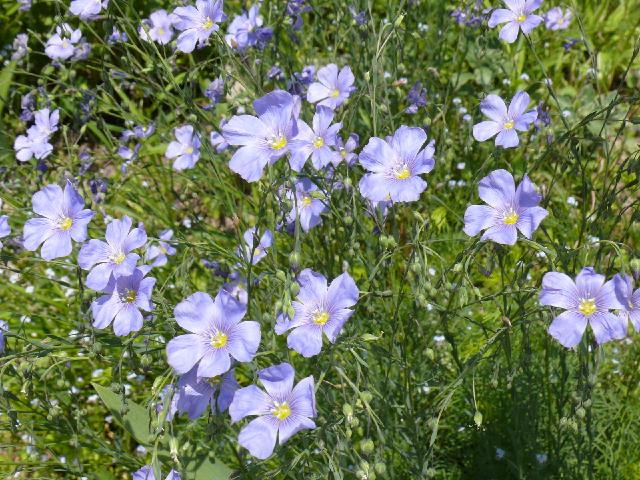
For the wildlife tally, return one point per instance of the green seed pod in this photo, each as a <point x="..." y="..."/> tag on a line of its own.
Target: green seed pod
<point x="347" y="410"/>
<point x="281" y="275"/>
<point x="294" y="288"/>
<point x="366" y="396"/>
<point x="367" y="446"/>
<point x="380" y="468"/>
<point x="581" y="412"/>
<point x="294" y="260"/>
<point x="146" y="360"/>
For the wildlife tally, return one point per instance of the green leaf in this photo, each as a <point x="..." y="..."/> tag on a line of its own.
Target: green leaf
<point x="5" y="82"/>
<point x="205" y="469"/>
<point x="136" y="420"/>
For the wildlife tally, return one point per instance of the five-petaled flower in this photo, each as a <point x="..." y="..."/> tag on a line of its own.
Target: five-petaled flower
<point x="316" y="142"/>
<point x="196" y="24"/>
<point x="333" y="87"/>
<point x="63" y="218"/>
<point x="319" y="309"/>
<point x="185" y="149"/>
<point x="588" y="300"/>
<point x="508" y="209"/>
<point x="157" y="28"/>
<point x="305" y="204"/>
<point x="265" y="138"/>
<point x="557" y="19"/>
<point x="282" y="410"/>
<point x="217" y="333"/>
<point x="115" y="256"/>
<point x="124" y="297"/>
<point x="518" y="16"/>
<point x="505" y="121"/>
<point x="395" y="165"/>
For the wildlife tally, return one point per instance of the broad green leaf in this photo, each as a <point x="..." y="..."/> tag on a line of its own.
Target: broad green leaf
<point x="136" y="420"/>
<point x="206" y="469"/>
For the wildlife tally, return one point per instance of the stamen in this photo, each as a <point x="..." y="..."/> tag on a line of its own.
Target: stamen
<point x="219" y="339"/>
<point x="65" y="223"/>
<point x="281" y="410"/>
<point x="588" y="307"/>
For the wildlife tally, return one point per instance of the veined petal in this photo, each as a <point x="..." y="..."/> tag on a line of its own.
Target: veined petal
<point x="568" y="328"/>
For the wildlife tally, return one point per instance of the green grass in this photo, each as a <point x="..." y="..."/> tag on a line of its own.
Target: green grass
<point x="446" y="359"/>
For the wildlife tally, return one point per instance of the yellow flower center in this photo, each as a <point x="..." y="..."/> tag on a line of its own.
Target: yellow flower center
<point x="521" y="18"/>
<point x="510" y="218"/>
<point x="130" y="296"/>
<point x="281" y="410"/>
<point x="160" y="31"/>
<point x="335" y="93"/>
<point x="189" y="150"/>
<point x="403" y="173"/>
<point x="66" y="223"/>
<point x="509" y="125"/>
<point x="343" y="152"/>
<point x="163" y="250"/>
<point x="208" y="23"/>
<point x="219" y="339"/>
<point x="65" y="43"/>
<point x="119" y="258"/>
<point x="320" y="317"/>
<point x="318" y="142"/>
<point x="588" y="307"/>
<point x="257" y="251"/>
<point x="278" y="143"/>
<point x="306" y="201"/>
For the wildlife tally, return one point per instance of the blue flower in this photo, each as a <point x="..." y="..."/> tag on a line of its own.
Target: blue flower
<point x="283" y="410"/>
<point x="125" y="297"/>
<point x="186" y="150"/>
<point x="196" y="24"/>
<point x="63" y="218"/>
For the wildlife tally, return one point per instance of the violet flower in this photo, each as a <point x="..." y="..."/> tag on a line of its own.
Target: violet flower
<point x="508" y="210"/>
<point x="257" y="253"/>
<point x="305" y="206"/>
<point x="395" y="165"/>
<point x="185" y="149"/>
<point x="217" y="335"/>
<point x="265" y="138"/>
<point x="5" y="229"/>
<point x="518" y="16"/>
<point x="282" y="410"/>
<point x="629" y="300"/>
<point x="196" y="24"/>
<point x="63" y="218"/>
<point x="557" y="19"/>
<point x="319" y="310"/>
<point x="62" y="44"/>
<point x="125" y="297"/>
<point x="587" y="301"/>
<point x="115" y="256"/>
<point x="316" y="142"/>
<point x="505" y="122"/>
<point x="157" y="28"/>
<point x="194" y="394"/>
<point x="333" y="87"/>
